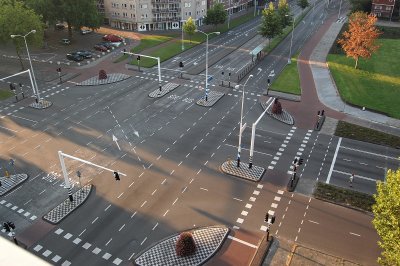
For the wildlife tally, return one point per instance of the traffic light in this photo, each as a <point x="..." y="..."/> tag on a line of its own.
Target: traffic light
<point x="11" y="224"/>
<point x="59" y="69"/>
<point x="272" y="219"/>
<point x="269" y="81"/>
<point x="138" y="57"/>
<point x="7" y="227"/>
<point x="116" y="175"/>
<point x="295" y="161"/>
<point x="222" y="73"/>
<point x="300" y="161"/>
<point x="322" y="112"/>
<point x="181" y="64"/>
<point x="266" y="217"/>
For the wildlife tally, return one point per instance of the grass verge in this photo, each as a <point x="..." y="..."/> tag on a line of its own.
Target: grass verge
<point x="375" y="84"/>
<point x="288" y="80"/>
<point x="356" y="132"/>
<point x="5" y="94"/>
<point x="344" y="196"/>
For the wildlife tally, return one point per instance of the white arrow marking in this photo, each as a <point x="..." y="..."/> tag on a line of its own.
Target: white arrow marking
<point x="115" y="139"/>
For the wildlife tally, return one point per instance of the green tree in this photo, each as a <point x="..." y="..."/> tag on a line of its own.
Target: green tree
<point x="215" y="15"/>
<point x="17" y="19"/>
<point x="271" y="23"/>
<point x="48" y="9"/>
<point x="189" y="27"/>
<point x="387" y="218"/>
<point x="302" y="4"/>
<point x="284" y="13"/>
<point x="361" y="5"/>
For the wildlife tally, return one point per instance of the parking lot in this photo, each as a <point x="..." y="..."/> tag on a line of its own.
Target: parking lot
<point x="54" y="50"/>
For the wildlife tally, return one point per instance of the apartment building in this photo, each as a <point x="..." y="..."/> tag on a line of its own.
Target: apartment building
<point x="150" y="15"/>
<point x="383" y="8"/>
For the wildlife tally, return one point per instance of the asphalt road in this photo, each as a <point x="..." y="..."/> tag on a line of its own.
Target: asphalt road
<point x="173" y="179"/>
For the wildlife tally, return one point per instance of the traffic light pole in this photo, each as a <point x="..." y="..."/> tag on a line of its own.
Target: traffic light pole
<point x="253" y="133"/>
<point x="61" y="155"/>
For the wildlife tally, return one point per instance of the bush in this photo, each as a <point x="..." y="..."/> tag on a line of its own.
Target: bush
<point x="102" y="74"/>
<point x="185" y="246"/>
<point x="276" y="107"/>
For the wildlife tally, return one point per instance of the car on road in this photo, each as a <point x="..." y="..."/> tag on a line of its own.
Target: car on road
<point x="84" y="53"/>
<point x="100" y="48"/>
<point x="65" y="41"/>
<point x="75" y="57"/>
<point x="86" y="31"/>
<point x="112" y="38"/>
<point x="60" y="26"/>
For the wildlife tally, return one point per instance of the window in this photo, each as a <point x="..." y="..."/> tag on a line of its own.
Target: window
<point x="190" y="13"/>
<point x="378" y="7"/>
<point x="143" y="6"/>
<point x="388" y="8"/>
<point x="203" y="3"/>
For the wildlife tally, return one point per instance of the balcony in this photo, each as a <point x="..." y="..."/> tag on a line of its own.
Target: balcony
<point x="169" y="19"/>
<point x="154" y="2"/>
<point x="166" y="10"/>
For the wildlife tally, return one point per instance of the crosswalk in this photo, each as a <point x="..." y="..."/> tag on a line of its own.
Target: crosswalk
<point x="8" y="183"/>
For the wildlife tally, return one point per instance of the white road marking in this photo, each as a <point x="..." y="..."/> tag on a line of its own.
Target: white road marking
<point x="351" y="233"/>
<point x="333" y="161"/>
<point x="242" y="242"/>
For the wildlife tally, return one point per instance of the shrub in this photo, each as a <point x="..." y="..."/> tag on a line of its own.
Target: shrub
<point x="185" y="246"/>
<point x="276" y="107"/>
<point x="102" y="74"/>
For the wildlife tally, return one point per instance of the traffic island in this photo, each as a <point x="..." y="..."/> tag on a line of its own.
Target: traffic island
<point x="262" y="251"/>
<point x="66" y="207"/>
<point x="42" y="104"/>
<point x="254" y="173"/>
<point x="207" y="241"/>
<point x="10" y="182"/>
<point x="111" y="78"/>
<point x="212" y="98"/>
<point x="160" y="92"/>
<point x="282" y="116"/>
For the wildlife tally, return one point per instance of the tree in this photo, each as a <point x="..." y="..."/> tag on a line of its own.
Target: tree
<point x="284" y="13"/>
<point x="185" y="245"/>
<point x="361" y="5"/>
<point x="189" y="27"/>
<point x="215" y="15"/>
<point x="387" y="218"/>
<point x="17" y="19"/>
<point x="271" y="23"/>
<point x="359" y="40"/>
<point x="302" y="4"/>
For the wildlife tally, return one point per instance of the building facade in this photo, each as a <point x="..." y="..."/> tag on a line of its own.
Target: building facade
<point x="383" y="8"/>
<point x="150" y="15"/>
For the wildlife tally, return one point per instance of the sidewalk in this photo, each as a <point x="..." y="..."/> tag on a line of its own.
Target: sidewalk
<point x="326" y="87"/>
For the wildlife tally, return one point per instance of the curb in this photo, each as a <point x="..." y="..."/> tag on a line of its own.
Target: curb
<point x="262" y="251"/>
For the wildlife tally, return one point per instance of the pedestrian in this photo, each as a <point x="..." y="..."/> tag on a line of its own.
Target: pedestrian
<point x="351" y="180"/>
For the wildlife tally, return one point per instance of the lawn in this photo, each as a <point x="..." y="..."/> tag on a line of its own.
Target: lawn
<point x="375" y="84"/>
<point x="288" y="80"/>
<point x="5" y="94"/>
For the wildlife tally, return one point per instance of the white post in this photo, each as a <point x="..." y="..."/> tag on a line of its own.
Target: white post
<point x="229" y="12"/>
<point x="253" y="132"/>
<point x="30" y="62"/>
<point x="65" y="174"/>
<point x="183" y="47"/>
<point x="207" y="69"/>
<point x="241" y="123"/>
<point x="340" y="7"/>
<point x="291" y="43"/>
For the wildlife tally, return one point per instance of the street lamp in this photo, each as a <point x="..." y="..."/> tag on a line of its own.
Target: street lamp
<point x="340" y="7"/>
<point x="241" y="122"/>
<point x="183" y="46"/>
<point x="215" y="32"/>
<point x="291" y="42"/>
<point x="30" y="61"/>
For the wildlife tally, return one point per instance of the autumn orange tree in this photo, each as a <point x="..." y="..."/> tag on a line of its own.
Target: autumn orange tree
<point x="359" y="40"/>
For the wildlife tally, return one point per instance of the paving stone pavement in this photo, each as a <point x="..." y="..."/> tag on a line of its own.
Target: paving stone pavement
<point x="66" y="207"/>
<point x="9" y="183"/>
<point x="164" y="90"/>
<point x="111" y="78"/>
<point x="212" y="98"/>
<point x="284" y="117"/>
<point x="207" y="239"/>
<point x="253" y="174"/>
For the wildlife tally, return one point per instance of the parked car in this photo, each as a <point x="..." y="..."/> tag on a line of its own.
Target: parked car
<point x="65" y="41"/>
<point x="60" y="26"/>
<point x="100" y="48"/>
<point x="112" y="38"/>
<point x="87" y="31"/>
<point x="85" y="54"/>
<point x="75" y="57"/>
<point x="108" y="45"/>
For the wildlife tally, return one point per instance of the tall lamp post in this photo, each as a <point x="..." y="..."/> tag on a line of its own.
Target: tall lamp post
<point x="183" y="46"/>
<point x="30" y="61"/>
<point x="291" y="41"/>
<point x="215" y="32"/>
<point x="340" y="7"/>
<point x="241" y="122"/>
